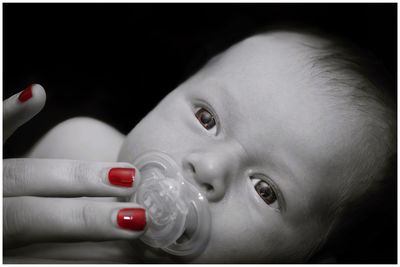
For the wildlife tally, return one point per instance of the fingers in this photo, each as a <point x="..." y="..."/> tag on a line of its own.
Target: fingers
<point x="68" y="178"/>
<point x="34" y="219"/>
<point x="21" y="107"/>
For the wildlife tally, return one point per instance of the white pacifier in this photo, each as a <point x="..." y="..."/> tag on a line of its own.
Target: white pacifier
<point x="179" y="219"/>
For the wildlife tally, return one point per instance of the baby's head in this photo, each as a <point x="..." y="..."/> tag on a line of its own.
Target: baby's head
<point x="286" y="134"/>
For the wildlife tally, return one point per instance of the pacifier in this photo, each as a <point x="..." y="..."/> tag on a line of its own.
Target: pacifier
<point x="179" y="219"/>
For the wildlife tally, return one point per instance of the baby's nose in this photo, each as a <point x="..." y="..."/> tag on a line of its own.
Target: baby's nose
<point x="213" y="168"/>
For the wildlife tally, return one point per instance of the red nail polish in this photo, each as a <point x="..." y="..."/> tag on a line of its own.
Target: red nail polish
<point x="26" y="94"/>
<point x="122" y="176"/>
<point x="132" y="219"/>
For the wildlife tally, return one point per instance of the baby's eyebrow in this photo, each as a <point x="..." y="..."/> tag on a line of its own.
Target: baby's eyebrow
<point x="223" y="93"/>
<point x="228" y="97"/>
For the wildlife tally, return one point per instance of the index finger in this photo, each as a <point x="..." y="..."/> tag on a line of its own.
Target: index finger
<point x="21" y="107"/>
<point x="67" y="178"/>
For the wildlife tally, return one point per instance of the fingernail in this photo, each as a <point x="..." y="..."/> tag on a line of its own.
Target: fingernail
<point x="122" y="176"/>
<point x="26" y="94"/>
<point x="132" y="219"/>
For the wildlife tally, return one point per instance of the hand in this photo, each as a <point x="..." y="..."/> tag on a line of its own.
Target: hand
<point x="40" y="203"/>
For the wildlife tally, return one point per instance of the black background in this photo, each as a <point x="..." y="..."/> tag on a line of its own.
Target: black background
<point x="114" y="62"/>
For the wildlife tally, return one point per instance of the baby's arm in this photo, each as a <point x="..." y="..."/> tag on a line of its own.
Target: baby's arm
<point x="79" y="138"/>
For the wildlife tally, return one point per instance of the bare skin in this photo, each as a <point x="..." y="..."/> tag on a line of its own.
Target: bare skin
<point x="272" y="120"/>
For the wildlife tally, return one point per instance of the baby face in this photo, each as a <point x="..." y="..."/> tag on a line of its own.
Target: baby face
<point x="258" y="135"/>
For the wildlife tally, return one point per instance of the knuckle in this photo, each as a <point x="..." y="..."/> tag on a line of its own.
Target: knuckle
<point x="15" y="219"/>
<point x="80" y="172"/>
<point x="85" y="217"/>
<point x="15" y="173"/>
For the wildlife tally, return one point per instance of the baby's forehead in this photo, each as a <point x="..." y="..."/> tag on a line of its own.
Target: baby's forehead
<point x="277" y="47"/>
<point x="270" y="60"/>
<point x="270" y="67"/>
<point x="267" y="74"/>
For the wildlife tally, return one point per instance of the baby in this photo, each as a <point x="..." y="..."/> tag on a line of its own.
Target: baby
<point x="286" y="134"/>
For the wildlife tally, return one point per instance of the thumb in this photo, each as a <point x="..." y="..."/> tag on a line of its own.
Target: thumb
<point x="21" y="107"/>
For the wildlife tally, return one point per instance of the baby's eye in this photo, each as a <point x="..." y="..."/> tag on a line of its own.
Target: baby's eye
<point x="266" y="192"/>
<point x="206" y="118"/>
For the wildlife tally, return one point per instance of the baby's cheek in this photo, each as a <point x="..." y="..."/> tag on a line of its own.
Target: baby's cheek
<point x="242" y="235"/>
<point x="152" y="133"/>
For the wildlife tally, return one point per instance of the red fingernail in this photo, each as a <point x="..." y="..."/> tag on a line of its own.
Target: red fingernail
<point x="132" y="219"/>
<point x="122" y="176"/>
<point x="26" y="94"/>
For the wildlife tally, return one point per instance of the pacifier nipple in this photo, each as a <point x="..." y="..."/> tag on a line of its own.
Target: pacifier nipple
<point x="179" y="218"/>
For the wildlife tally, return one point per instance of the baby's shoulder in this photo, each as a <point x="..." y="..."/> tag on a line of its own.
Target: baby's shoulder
<point x="79" y="138"/>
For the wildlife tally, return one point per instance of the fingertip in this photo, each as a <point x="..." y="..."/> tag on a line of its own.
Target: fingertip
<point x="39" y="92"/>
<point x="124" y="171"/>
<point x="32" y="91"/>
<point x="21" y="107"/>
<point x="25" y="94"/>
<point x="130" y="222"/>
<point x="38" y="96"/>
<point x="132" y="219"/>
<point x="32" y="99"/>
<point x="121" y="177"/>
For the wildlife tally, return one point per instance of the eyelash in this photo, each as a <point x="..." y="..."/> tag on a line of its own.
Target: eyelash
<point x="215" y="128"/>
<point x="259" y="178"/>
